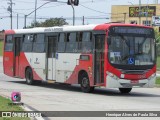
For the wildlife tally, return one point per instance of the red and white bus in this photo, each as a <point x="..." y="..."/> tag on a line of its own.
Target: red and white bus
<point x="111" y="55"/>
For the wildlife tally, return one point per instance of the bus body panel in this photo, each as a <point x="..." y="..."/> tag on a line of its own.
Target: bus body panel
<point x="67" y="66"/>
<point x="38" y="64"/>
<point x="8" y="57"/>
<point x="24" y="63"/>
<point x="8" y="63"/>
<point x="82" y="65"/>
<point x="28" y="62"/>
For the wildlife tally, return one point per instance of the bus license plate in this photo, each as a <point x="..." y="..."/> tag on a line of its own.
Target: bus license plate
<point x="134" y="81"/>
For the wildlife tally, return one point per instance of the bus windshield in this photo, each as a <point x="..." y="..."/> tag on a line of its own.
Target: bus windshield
<point x="131" y="49"/>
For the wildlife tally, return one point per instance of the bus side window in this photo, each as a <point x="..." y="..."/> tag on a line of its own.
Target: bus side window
<point x="27" y="43"/>
<point x="61" y="42"/>
<point x="86" y="46"/>
<point x="72" y="42"/>
<point x="9" y="43"/>
<point x="39" y="44"/>
<point x="80" y="41"/>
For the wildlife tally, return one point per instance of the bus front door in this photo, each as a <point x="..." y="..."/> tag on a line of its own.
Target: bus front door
<point x="17" y="43"/>
<point x="99" y="59"/>
<point x="51" y="57"/>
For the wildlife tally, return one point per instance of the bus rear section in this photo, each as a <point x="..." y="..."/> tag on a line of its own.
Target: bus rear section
<point x="8" y="55"/>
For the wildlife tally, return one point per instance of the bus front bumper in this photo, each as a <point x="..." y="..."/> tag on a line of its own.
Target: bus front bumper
<point x="125" y="83"/>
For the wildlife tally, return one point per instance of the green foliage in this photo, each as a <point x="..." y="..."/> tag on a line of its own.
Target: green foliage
<point x="158" y="62"/>
<point x="50" y="23"/>
<point x="157" y="36"/>
<point x="1" y="48"/>
<point x="4" y="106"/>
<point x="158" y="81"/>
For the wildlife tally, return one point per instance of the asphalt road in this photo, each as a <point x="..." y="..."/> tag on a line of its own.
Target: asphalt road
<point x="53" y="97"/>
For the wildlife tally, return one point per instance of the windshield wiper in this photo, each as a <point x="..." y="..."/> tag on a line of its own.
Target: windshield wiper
<point x="124" y="40"/>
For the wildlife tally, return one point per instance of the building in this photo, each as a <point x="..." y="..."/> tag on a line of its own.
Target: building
<point x="135" y="14"/>
<point x="1" y="35"/>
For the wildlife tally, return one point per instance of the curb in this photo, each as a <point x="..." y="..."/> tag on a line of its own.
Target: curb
<point x="158" y="75"/>
<point x="157" y="86"/>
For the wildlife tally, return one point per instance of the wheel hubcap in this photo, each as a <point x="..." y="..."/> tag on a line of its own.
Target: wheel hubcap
<point x="28" y="77"/>
<point x="85" y="82"/>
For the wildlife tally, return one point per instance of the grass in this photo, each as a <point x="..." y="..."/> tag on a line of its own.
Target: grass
<point x="158" y="62"/>
<point x="158" y="81"/>
<point x="1" y="48"/>
<point x="4" y="106"/>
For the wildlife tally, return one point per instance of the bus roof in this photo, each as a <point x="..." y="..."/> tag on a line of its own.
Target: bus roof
<point x="68" y="28"/>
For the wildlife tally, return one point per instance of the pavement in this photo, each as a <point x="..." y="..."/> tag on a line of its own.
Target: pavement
<point x="53" y="97"/>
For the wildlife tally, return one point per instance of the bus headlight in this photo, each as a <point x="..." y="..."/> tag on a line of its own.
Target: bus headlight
<point x="112" y="75"/>
<point x="152" y="76"/>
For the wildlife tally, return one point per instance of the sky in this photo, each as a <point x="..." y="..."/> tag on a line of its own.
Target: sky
<point x="90" y="9"/>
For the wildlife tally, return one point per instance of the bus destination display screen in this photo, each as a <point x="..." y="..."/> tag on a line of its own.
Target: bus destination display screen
<point x="131" y="30"/>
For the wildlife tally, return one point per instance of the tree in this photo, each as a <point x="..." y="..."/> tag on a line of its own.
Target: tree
<point x="157" y="36"/>
<point x="50" y="23"/>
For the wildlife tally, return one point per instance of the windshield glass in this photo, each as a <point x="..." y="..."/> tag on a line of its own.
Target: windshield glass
<point x="131" y="50"/>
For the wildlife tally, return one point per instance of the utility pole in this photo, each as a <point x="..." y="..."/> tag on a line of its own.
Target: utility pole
<point x="147" y="16"/>
<point x="73" y="3"/>
<point x="125" y="17"/>
<point x="36" y="8"/>
<point x="17" y="21"/>
<point x="139" y="12"/>
<point x="83" y="20"/>
<point x="35" y="13"/>
<point x="10" y="10"/>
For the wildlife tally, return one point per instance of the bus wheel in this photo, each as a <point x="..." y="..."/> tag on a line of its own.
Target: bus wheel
<point x="85" y="85"/>
<point x="29" y="76"/>
<point x="125" y="90"/>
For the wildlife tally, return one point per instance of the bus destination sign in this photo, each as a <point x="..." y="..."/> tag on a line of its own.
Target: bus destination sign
<point x="132" y="30"/>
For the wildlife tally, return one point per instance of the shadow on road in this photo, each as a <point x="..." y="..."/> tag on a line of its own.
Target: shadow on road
<point x="97" y="91"/>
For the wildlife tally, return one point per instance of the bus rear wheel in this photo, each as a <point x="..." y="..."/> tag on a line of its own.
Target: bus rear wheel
<point x="29" y="76"/>
<point x="85" y="84"/>
<point x="125" y="90"/>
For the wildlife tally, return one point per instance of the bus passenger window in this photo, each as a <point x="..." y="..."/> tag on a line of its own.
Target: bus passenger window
<point x="39" y="44"/>
<point x="68" y="37"/>
<point x="9" y="43"/>
<point x="61" y="42"/>
<point x="86" y="46"/>
<point x="72" y="43"/>
<point x="80" y="36"/>
<point x="27" y="44"/>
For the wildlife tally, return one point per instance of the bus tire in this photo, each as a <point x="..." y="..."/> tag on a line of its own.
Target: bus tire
<point x="29" y="76"/>
<point x="85" y="84"/>
<point x="125" y="90"/>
